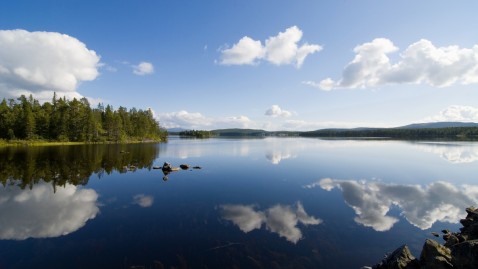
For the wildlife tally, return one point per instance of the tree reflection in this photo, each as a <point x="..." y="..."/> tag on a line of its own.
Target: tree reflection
<point x="61" y="165"/>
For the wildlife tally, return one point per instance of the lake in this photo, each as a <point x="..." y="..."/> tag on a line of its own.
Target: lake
<point x="255" y="203"/>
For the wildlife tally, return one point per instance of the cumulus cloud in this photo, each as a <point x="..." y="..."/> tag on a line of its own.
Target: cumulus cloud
<point x="143" y="200"/>
<point x="41" y="213"/>
<point x="40" y="63"/>
<point x="143" y="68"/>
<point x="420" y="63"/>
<point x="246" y="51"/>
<point x="422" y="206"/>
<point x="456" y="113"/>
<point x="276" y="111"/>
<point x="279" y="50"/>
<point x="195" y="120"/>
<point x="279" y="219"/>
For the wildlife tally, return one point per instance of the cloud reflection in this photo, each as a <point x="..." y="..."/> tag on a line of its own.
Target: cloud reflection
<point x="143" y="200"/>
<point x="422" y="206"/>
<point x="41" y="213"/>
<point x="279" y="219"/>
<point x="453" y="153"/>
<point x="275" y="157"/>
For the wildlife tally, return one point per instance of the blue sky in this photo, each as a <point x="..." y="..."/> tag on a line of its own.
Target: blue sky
<point x="275" y="65"/>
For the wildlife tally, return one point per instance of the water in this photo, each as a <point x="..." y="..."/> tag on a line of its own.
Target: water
<point x="256" y="203"/>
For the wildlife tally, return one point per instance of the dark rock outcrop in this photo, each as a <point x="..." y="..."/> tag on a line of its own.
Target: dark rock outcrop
<point x="460" y="250"/>
<point x="401" y="258"/>
<point x="435" y="255"/>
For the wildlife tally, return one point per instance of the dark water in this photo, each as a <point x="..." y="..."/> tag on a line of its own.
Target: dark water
<point x="257" y="203"/>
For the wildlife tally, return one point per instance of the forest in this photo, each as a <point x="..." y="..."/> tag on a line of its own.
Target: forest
<point x="75" y="121"/>
<point x="451" y="133"/>
<point x="196" y="133"/>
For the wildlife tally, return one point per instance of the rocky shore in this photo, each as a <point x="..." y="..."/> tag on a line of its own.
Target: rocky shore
<point x="459" y="251"/>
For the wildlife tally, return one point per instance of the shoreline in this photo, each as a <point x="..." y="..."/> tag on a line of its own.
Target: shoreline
<point x="36" y="143"/>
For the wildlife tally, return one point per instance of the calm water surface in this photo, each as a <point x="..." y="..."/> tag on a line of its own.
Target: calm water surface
<point x="256" y="203"/>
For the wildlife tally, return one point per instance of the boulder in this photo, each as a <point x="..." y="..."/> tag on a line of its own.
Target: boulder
<point x="452" y="240"/>
<point x="401" y="258"/>
<point x="465" y="255"/>
<point x="184" y="166"/>
<point x="167" y="167"/>
<point x="459" y="251"/>
<point x="435" y="256"/>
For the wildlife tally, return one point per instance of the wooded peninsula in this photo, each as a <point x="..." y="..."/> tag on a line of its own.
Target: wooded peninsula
<point x="63" y="120"/>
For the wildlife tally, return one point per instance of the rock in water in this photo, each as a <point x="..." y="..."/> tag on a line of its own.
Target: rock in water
<point x="435" y="256"/>
<point x="459" y="252"/>
<point x="184" y="166"/>
<point x="167" y="167"/>
<point x="465" y="255"/>
<point x="401" y="258"/>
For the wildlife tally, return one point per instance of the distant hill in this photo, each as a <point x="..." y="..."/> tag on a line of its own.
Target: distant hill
<point x="435" y="125"/>
<point x="431" y="130"/>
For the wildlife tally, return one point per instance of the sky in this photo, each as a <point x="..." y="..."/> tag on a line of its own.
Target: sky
<point x="271" y="64"/>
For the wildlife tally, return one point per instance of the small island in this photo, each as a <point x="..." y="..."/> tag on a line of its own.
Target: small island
<point x="196" y="134"/>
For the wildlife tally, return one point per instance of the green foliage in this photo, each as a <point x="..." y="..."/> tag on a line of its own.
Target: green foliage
<point x="196" y="133"/>
<point x="65" y="120"/>
<point x="452" y="133"/>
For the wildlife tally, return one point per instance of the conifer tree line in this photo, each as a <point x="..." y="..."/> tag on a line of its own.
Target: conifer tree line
<point x="75" y="120"/>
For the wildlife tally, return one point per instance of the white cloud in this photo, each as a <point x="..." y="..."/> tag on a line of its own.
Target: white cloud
<point x="143" y="68"/>
<point x="421" y="206"/>
<point x="294" y="125"/>
<point x="41" y="213"/>
<point x="143" y="200"/>
<point x="456" y="113"/>
<point x="276" y="111"/>
<point x="421" y="63"/>
<point x="40" y="63"/>
<point x="196" y="120"/>
<point x="185" y="120"/>
<point x="246" y="51"/>
<point x="279" y="219"/>
<point x="278" y="50"/>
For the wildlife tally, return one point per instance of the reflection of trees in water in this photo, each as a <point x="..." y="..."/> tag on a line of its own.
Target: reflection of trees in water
<point x="59" y="165"/>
